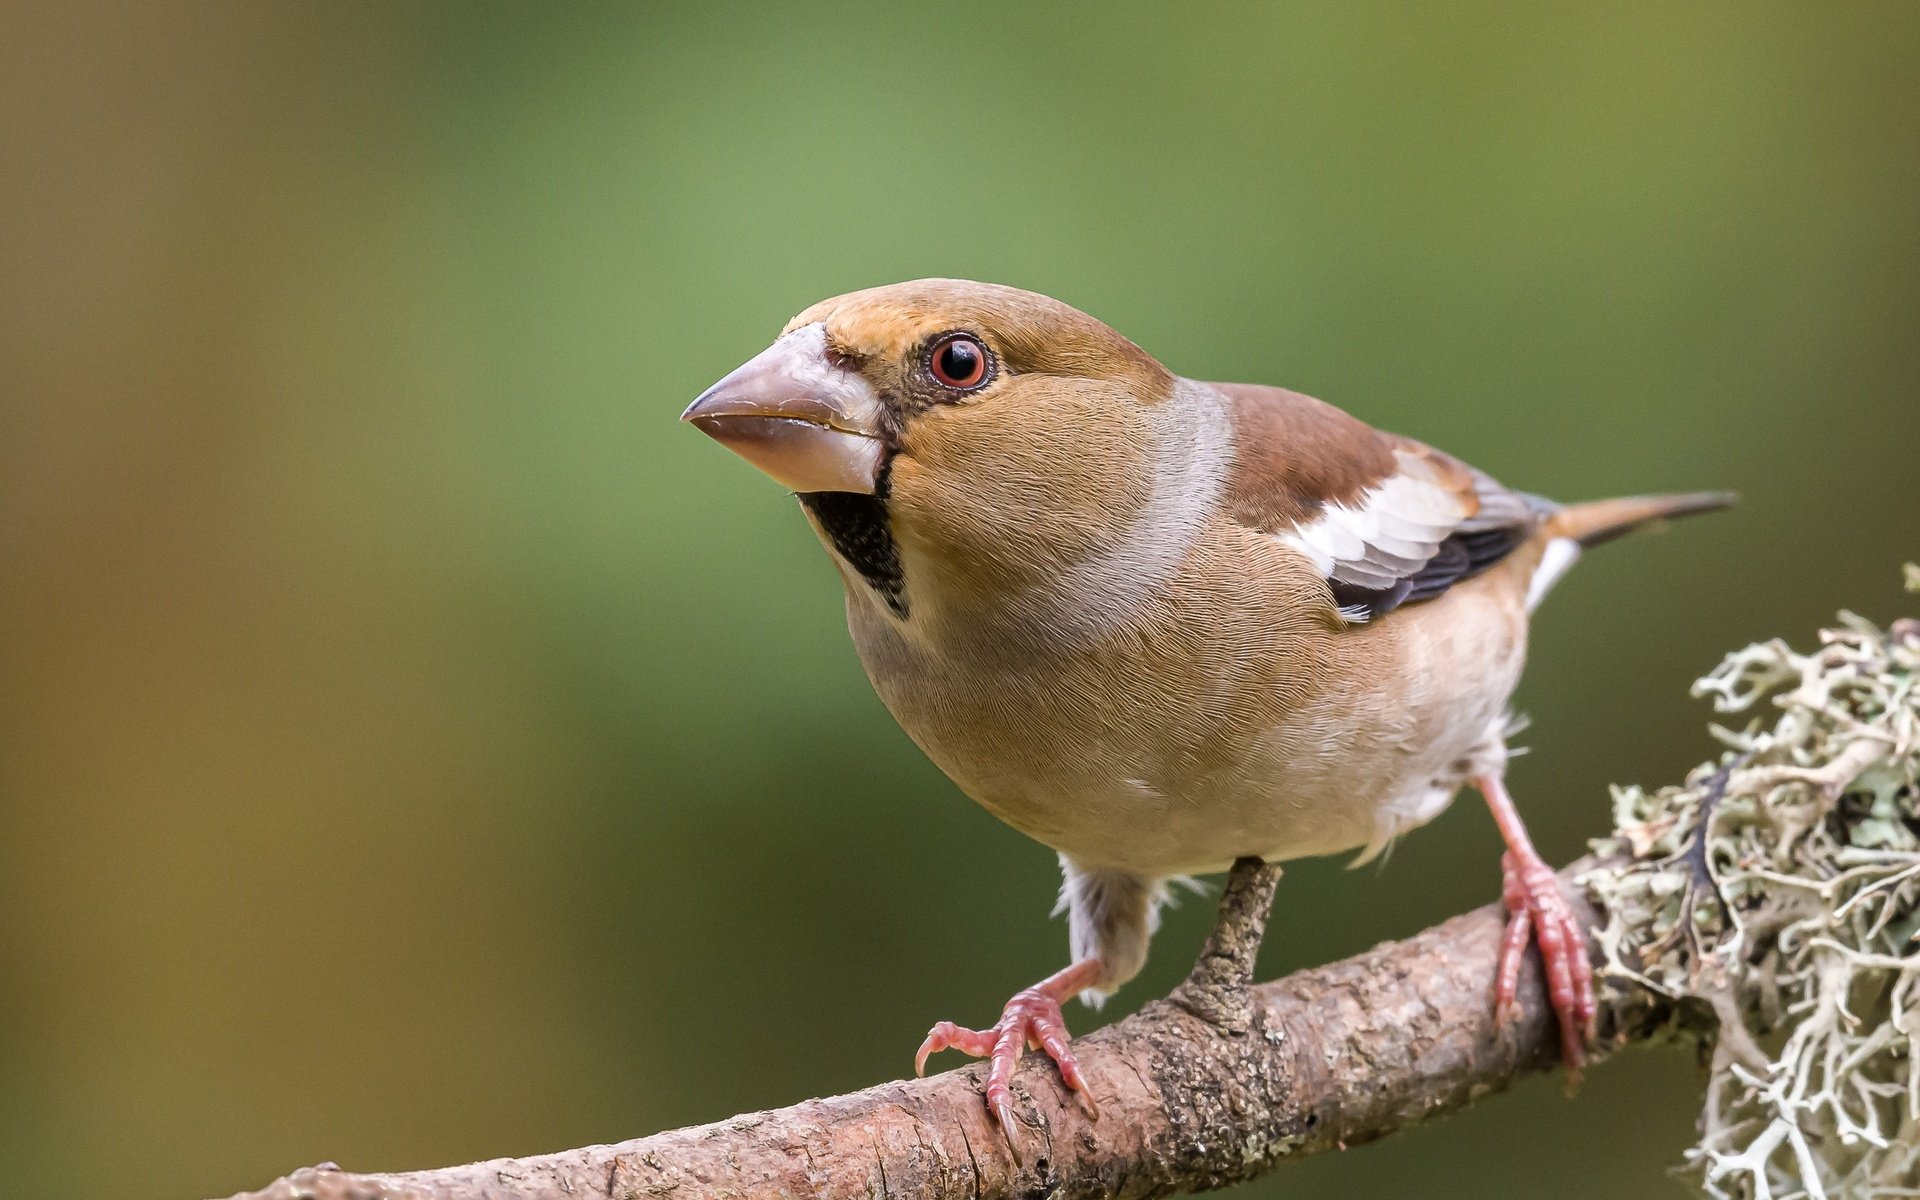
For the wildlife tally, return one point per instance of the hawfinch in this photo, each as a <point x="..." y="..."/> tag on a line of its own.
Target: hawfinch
<point x="1157" y="624"/>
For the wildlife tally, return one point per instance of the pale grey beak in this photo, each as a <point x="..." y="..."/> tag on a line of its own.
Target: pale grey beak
<point x="799" y="416"/>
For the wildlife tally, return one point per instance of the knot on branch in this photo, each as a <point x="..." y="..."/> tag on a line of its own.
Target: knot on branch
<point x="1220" y="989"/>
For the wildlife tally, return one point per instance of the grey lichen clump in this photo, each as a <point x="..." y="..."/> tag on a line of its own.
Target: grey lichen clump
<point x="1776" y="898"/>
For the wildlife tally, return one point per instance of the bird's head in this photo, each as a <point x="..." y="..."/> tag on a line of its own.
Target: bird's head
<point x="981" y="436"/>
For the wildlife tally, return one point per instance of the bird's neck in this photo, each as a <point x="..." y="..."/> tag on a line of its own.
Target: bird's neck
<point x="1015" y="588"/>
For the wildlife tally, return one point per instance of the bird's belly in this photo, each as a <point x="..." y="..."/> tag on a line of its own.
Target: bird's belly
<point x="1274" y="804"/>
<point x="1134" y="797"/>
<point x="1158" y="767"/>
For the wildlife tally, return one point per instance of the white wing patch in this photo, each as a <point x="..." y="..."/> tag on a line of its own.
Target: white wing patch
<point x="1389" y="533"/>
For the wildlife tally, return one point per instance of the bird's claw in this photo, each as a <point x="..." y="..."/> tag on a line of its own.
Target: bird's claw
<point x="1031" y="1019"/>
<point x="1536" y="907"/>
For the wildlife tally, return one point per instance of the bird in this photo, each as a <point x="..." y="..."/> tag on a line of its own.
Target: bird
<point x="1162" y="626"/>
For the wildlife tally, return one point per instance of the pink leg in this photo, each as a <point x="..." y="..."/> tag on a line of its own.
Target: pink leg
<point x="1031" y="1018"/>
<point x="1535" y="905"/>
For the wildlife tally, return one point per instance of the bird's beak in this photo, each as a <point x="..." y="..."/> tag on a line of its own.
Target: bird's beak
<point x="792" y="411"/>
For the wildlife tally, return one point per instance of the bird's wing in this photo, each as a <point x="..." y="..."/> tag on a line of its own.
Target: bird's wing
<point x="1387" y="520"/>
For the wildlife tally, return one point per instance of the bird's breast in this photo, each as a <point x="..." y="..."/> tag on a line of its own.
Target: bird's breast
<point x="1230" y="718"/>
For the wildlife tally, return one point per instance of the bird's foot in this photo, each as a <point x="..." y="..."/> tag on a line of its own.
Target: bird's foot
<point x="1537" y="911"/>
<point x="1031" y="1018"/>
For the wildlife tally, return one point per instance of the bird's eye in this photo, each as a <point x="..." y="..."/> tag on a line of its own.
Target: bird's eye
<point x="958" y="362"/>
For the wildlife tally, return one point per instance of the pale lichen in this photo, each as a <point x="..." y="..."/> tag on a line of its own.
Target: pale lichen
<point x="1775" y="898"/>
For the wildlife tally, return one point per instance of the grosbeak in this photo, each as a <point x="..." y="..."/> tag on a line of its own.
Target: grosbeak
<point x="1156" y="624"/>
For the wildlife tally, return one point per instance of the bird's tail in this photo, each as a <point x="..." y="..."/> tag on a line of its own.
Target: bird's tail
<point x="1599" y="521"/>
<point x="1572" y="529"/>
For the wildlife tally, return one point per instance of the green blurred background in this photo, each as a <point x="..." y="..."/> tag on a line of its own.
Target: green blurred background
<point x="415" y="746"/>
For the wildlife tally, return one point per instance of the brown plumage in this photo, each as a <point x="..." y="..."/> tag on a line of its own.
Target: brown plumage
<point x="1155" y="623"/>
<point x="1599" y="521"/>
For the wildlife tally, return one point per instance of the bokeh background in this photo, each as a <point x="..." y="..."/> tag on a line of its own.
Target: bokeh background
<point x="415" y="746"/>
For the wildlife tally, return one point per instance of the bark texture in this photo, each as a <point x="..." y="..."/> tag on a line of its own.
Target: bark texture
<point x="1195" y="1092"/>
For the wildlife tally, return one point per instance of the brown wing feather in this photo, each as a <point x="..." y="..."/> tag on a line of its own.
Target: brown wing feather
<point x="1386" y="519"/>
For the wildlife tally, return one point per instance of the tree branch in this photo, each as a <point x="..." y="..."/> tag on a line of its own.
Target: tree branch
<point x="1326" y="1058"/>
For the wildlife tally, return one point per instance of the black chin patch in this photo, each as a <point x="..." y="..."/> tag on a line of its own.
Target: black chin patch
<point x="857" y="526"/>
